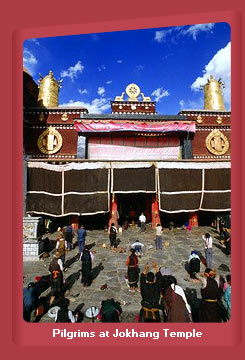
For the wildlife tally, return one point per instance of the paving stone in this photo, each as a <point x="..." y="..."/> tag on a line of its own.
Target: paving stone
<point x="174" y="257"/>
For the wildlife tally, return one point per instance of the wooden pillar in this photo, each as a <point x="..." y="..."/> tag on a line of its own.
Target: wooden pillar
<point x="74" y="222"/>
<point x="193" y="219"/>
<point x="155" y="216"/>
<point x="113" y="212"/>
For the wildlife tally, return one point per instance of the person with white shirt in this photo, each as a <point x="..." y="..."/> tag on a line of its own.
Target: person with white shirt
<point x="208" y="248"/>
<point x="142" y="220"/>
<point x="158" y="237"/>
<point x="138" y="247"/>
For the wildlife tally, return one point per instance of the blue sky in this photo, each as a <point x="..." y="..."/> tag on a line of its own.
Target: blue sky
<point x="168" y="64"/>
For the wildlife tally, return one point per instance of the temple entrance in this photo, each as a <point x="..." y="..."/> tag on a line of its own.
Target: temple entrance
<point x="130" y="206"/>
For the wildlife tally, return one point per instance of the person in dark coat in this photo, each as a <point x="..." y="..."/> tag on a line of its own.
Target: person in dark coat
<point x="81" y="237"/>
<point x="68" y="233"/>
<point x="210" y="292"/>
<point x="227" y="242"/>
<point x="113" y="235"/>
<point x="64" y="315"/>
<point x="221" y="227"/>
<point x="174" y="303"/>
<point x="86" y="259"/>
<point x="194" y="265"/>
<point x="30" y="300"/>
<point x="150" y="288"/>
<point x="133" y="270"/>
<point x="42" y="283"/>
<point x="56" y="277"/>
<point x="110" y="311"/>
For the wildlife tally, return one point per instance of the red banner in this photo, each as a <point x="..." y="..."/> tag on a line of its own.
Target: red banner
<point x="92" y="126"/>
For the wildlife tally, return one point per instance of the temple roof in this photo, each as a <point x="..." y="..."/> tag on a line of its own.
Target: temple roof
<point x="134" y="117"/>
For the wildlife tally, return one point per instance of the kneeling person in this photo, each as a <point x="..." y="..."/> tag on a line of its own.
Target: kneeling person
<point x="150" y="286"/>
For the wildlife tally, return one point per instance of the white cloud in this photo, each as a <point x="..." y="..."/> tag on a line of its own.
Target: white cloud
<point x="73" y="71"/>
<point x="119" y="61"/>
<point x="177" y="31"/>
<point x="101" y="90"/>
<point x="220" y="67"/>
<point x="160" y="93"/>
<point x="84" y="91"/>
<point x="109" y="82"/>
<point x="182" y="104"/>
<point x="29" y="60"/>
<point x="96" y="106"/>
<point x="161" y="35"/>
<point x="194" y="30"/>
<point x="101" y="67"/>
<point x="196" y="104"/>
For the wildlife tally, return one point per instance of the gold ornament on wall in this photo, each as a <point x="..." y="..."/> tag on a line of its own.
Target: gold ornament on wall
<point x="199" y="119"/>
<point x="217" y="143"/>
<point x="41" y="117"/>
<point x="219" y="119"/>
<point x="50" y="141"/>
<point x="64" y="117"/>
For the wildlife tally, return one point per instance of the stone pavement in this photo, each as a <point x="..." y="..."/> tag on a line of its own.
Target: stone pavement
<point x="110" y="267"/>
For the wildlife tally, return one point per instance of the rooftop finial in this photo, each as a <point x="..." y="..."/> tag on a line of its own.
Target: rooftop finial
<point x="48" y="95"/>
<point x="213" y="94"/>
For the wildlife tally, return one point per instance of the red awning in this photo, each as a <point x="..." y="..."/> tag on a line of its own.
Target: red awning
<point x="92" y="126"/>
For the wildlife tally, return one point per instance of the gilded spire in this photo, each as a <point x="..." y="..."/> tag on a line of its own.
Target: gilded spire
<point x="48" y="95"/>
<point x="213" y="94"/>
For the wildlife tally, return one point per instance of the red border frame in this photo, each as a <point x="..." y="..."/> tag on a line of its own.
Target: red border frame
<point x="33" y="21"/>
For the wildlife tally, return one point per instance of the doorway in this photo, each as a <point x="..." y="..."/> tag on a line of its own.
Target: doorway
<point x="127" y="204"/>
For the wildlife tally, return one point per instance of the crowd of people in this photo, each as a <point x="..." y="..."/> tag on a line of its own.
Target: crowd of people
<point x="162" y="298"/>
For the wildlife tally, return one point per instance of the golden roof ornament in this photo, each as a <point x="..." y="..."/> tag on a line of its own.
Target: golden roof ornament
<point x="133" y="92"/>
<point x="48" y="95"/>
<point x="213" y="94"/>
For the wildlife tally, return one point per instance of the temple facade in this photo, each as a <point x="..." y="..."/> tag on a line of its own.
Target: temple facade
<point x="107" y="166"/>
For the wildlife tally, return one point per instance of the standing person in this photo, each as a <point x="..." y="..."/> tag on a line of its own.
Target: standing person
<point x="81" y="237"/>
<point x="221" y="226"/>
<point x="68" y="233"/>
<point x="227" y="242"/>
<point x="64" y="315"/>
<point x="150" y="288"/>
<point x="227" y="297"/>
<point x="174" y="303"/>
<point x="30" y="300"/>
<point x="210" y="292"/>
<point x="133" y="270"/>
<point x="86" y="259"/>
<point x="56" y="277"/>
<point x="113" y="235"/>
<point x="194" y="265"/>
<point x="159" y="237"/>
<point x="61" y="247"/>
<point x="142" y="220"/>
<point x="208" y="248"/>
